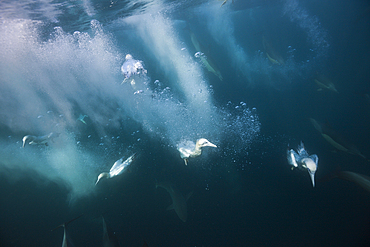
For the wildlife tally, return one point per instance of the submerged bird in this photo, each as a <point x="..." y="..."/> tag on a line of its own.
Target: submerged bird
<point x="178" y="200"/>
<point x="336" y="140"/>
<point x="81" y="118"/>
<point x="109" y="237"/>
<point x="132" y="67"/>
<point x="66" y="241"/>
<point x="302" y="160"/>
<point x="117" y="168"/>
<point x="38" y="140"/>
<point x="190" y="150"/>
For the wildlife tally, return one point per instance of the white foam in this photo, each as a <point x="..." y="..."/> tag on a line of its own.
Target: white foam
<point x="66" y="75"/>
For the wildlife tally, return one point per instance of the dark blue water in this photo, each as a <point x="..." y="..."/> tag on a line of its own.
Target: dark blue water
<point x="62" y="59"/>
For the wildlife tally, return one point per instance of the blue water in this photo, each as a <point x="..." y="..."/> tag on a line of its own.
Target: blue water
<point x="61" y="59"/>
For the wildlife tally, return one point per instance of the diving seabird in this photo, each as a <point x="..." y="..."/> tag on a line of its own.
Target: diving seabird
<point x="38" y="140"/>
<point x="117" y="168"/>
<point x="187" y="152"/>
<point x="302" y="160"/>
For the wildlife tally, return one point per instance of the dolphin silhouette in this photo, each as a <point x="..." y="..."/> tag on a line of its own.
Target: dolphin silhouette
<point x="335" y="139"/>
<point x="66" y="240"/>
<point x="324" y="83"/>
<point x="361" y="180"/>
<point x="207" y="62"/>
<point x="271" y="54"/>
<point x="109" y="237"/>
<point x="178" y="200"/>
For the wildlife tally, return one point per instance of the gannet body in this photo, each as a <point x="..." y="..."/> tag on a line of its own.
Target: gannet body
<point x="132" y="67"/>
<point x="302" y="160"/>
<point x="39" y="140"/>
<point x="191" y="151"/>
<point x="117" y="168"/>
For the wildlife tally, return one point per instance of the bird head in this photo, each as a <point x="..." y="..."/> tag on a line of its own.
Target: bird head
<point x="309" y="164"/>
<point x="128" y="56"/>
<point x="25" y="139"/>
<point x="205" y="143"/>
<point x="102" y="175"/>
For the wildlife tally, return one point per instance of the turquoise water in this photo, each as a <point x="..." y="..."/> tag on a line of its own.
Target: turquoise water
<point x="241" y="75"/>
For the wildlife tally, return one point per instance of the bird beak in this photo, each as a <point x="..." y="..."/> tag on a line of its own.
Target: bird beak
<point x="134" y="156"/>
<point x="312" y="176"/>
<point x="212" y="145"/>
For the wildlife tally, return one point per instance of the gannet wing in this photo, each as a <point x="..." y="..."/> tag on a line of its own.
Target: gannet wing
<point x="120" y="165"/>
<point x="116" y="164"/>
<point x="117" y="167"/>
<point x="302" y="151"/>
<point x="292" y="157"/>
<point x="184" y="153"/>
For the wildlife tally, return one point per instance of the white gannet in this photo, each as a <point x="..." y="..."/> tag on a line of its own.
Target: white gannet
<point x="38" y="140"/>
<point x="302" y="160"/>
<point x="191" y="150"/>
<point x="291" y="158"/>
<point x="178" y="200"/>
<point x="117" y="168"/>
<point x="310" y="164"/>
<point x="132" y="67"/>
<point x="81" y="118"/>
